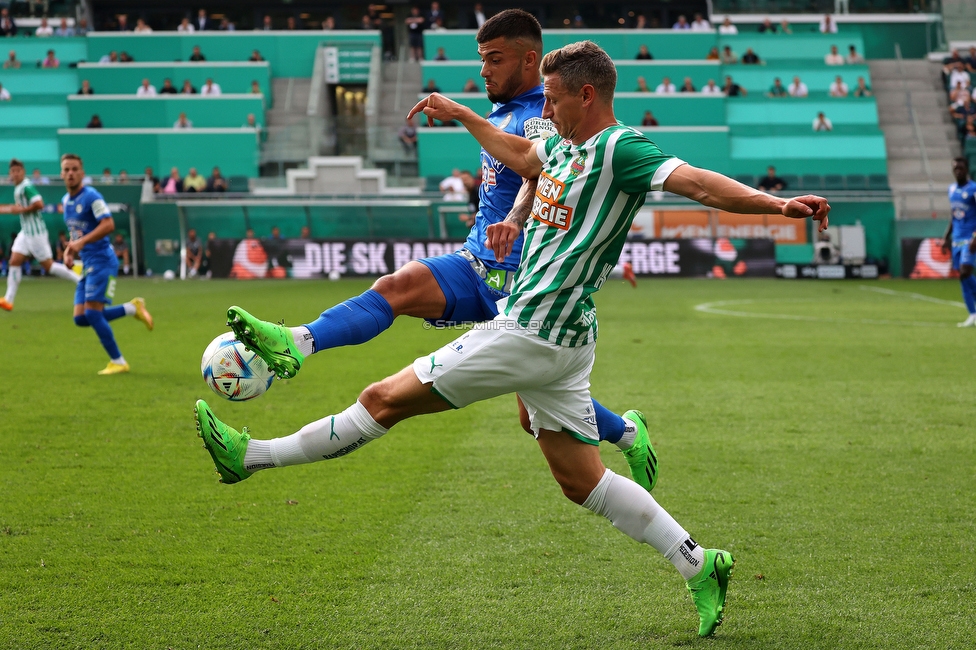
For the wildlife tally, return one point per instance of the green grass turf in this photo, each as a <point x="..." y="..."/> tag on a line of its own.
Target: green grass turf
<point x="826" y="440"/>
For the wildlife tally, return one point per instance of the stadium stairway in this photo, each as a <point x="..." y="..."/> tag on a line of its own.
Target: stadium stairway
<point x="290" y="140"/>
<point x="895" y="85"/>
<point x="398" y="92"/>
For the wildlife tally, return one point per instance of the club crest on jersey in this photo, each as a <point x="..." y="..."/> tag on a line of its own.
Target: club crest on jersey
<point x="546" y="207"/>
<point x="78" y="209"/>
<point x="578" y="165"/>
<point x="506" y="121"/>
<point x="490" y="168"/>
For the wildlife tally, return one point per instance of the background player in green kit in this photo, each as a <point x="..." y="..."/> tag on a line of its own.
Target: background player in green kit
<point x="593" y="177"/>
<point x="32" y="240"/>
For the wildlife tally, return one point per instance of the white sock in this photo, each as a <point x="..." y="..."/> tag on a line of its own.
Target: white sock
<point x="304" y="340"/>
<point x="634" y="512"/>
<point x="120" y="361"/>
<point x="630" y="434"/>
<point x="59" y="270"/>
<point x="325" y="439"/>
<point x="13" y="281"/>
<point x="130" y="309"/>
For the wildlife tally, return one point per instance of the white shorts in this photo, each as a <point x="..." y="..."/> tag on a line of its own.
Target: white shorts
<point x="500" y="357"/>
<point x="36" y="245"/>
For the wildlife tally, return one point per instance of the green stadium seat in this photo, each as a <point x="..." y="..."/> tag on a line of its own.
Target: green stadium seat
<point x="237" y="184"/>
<point x="811" y="182"/>
<point x="792" y="181"/>
<point x="833" y="182"/>
<point x="856" y="182"/>
<point x="746" y="179"/>
<point x="878" y="182"/>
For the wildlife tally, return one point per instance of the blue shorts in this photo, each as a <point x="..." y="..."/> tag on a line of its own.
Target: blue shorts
<point x="961" y="255"/>
<point x="98" y="282"/>
<point x="469" y="299"/>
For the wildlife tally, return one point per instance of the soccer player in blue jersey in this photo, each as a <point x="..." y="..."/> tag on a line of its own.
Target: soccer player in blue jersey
<point x="462" y="287"/>
<point x="961" y="234"/>
<point x="89" y="222"/>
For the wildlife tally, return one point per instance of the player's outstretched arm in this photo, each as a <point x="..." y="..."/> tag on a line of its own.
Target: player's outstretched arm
<point x="501" y="236"/>
<point x="19" y="209"/>
<point x="515" y="152"/>
<point x="718" y="191"/>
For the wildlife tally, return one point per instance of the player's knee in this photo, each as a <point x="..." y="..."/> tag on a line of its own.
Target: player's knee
<point x="81" y="320"/>
<point x="378" y="397"/>
<point x="574" y="489"/>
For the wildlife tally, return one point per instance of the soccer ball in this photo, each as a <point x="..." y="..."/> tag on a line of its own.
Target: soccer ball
<point x="233" y="372"/>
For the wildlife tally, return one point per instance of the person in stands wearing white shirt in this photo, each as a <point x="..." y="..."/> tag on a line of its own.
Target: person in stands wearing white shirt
<point x="185" y="26"/>
<point x="700" y="24"/>
<point x="210" y="88"/>
<point x="827" y="25"/>
<point x="838" y="88"/>
<point x="959" y="75"/>
<point x="183" y="122"/>
<point x="710" y="88"/>
<point x="453" y="187"/>
<point x="822" y="123"/>
<point x="853" y="58"/>
<point x="142" y="27"/>
<point x="146" y="89"/>
<point x="727" y="28"/>
<point x="4" y="94"/>
<point x="797" y="88"/>
<point x="44" y="29"/>
<point x="834" y="58"/>
<point x="666" y="86"/>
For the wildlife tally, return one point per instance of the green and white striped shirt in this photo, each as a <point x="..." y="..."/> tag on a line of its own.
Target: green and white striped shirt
<point x="586" y="200"/>
<point x="25" y="195"/>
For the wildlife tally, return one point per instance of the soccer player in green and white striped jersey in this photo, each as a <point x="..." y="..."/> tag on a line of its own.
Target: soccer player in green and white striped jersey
<point x="32" y="240"/>
<point x="593" y="178"/>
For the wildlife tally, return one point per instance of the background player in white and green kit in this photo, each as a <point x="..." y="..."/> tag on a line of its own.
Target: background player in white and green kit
<point x="592" y="180"/>
<point x="32" y="240"/>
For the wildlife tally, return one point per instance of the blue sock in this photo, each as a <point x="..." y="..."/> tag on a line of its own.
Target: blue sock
<point x="81" y="321"/>
<point x="969" y="292"/>
<point x="98" y="323"/>
<point x="352" y="322"/>
<point x="111" y="313"/>
<point x="609" y="424"/>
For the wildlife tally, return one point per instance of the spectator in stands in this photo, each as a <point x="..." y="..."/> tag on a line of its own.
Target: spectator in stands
<point x="366" y="22"/>
<point x="644" y="54"/>
<point x="771" y="182"/>
<point x="4" y="94"/>
<point x="971" y="59"/>
<point x="106" y="176"/>
<point x="777" y="89"/>
<point x="44" y="30"/>
<point x="441" y="55"/>
<point x="275" y="233"/>
<point x="784" y="27"/>
<point x="962" y="112"/>
<point x="862" y="89"/>
<point x="471" y="87"/>
<point x="700" y="24"/>
<point x="453" y="187"/>
<point x="63" y="30"/>
<point x="8" y="27"/>
<point x="251" y="122"/>
<point x="750" y="57"/>
<point x="853" y="58"/>
<point x="434" y="13"/>
<point x="415" y="33"/>
<point x="185" y="26"/>
<point x="664" y="87"/>
<point x="713" y="54"/>
<point x="956" y="93"/>
<point x="194" y="182"/>
<point x="81" y="28"/>
<point x="86" y="88"/>
<point x="256" y="57"/>
<point x="168" y="87"/>
<point x="798" y="88"/>
<point x="204" y="22"/>
<point x="292" y="25"/>
<point x="431" y="87"/>
<point x="216" y="182"/>
<point x="305" y="233"/>
<point x="146" y="89"/>
<point x="266" y="24"/>
<point x="640" y="22"/>
<point x="94" y="123"/>
<point x="728" y="56"/>
<point x="727" y="28"/>
<point x="226" y="26"/>
<point x="50" y="61"/>
<point x="732" y="89"/>
<point x="688" y="87"/>
<point x="197" y="55"/>
<point x="123" y="177"/>
<point x="37" y="179"/>
<point x="828" y="25"/>
<point x="408" y="137"/>
<point x="682" y="24"/>
<point x="121" y="252"/>
<point x="578" y="22"/>
<point x="649" y="119"/>
<point x="478" y="16"/>
<point x="194" y="253"/>
<point x="958" y="75"/>
<point x="822" y="123"/>
<point x="122" y="23"/>
<point x="188" y="88"/>
<point x="111" y="57"/>
<point x="142" y="27"/>
<point x="834" y="57"/>
<point x="173" y="184"/>
<point x="210" y="88"/>
<point x="642" y="85"/>
<point x="12" y="62"/>
<point x="838" y="88"/>
<point x="255" y="88"/>
<point x="149" y="181"/>
<point x="767" y="27"/>
<point x="711" y="89"/>
<point x="328" y="24"/>
<point x="125" y="58"/>
<point x="182" y="122"/>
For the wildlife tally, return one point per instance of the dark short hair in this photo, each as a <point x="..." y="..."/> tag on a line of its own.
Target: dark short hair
<point x="959" y="159"/>
<point x="512" y="24"/>
<point x="71" y="156"/>
<point x="14" y="162"/>
<point x="582" y="63"/>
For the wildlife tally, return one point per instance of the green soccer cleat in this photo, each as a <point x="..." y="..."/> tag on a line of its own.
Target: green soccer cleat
<point x="708" y="589"/>
<point x="273" y="343"/>
<point x="225" y="444"/>
<point x="640" y="455"/>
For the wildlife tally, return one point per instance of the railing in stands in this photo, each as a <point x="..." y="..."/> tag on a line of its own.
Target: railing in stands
<point x="917" y="130"/>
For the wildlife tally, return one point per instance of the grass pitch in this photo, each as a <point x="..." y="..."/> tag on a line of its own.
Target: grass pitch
<point x="822" y="432"/>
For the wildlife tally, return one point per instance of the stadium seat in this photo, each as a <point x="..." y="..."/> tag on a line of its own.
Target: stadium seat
<point x="237" y="184"/>
<point x="811" y="182"/>
<point x="856" y="182"/>
<point x="746" y="179"/>
<point x="792" y="181"/>
<point x="833" y="182"/>
<point x="878" y="182"/>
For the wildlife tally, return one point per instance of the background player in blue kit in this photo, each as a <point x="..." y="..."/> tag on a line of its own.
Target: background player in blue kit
<point x="961" y="234"/>
<point x="462" y="287"/>
<point x="89" y="223"/>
